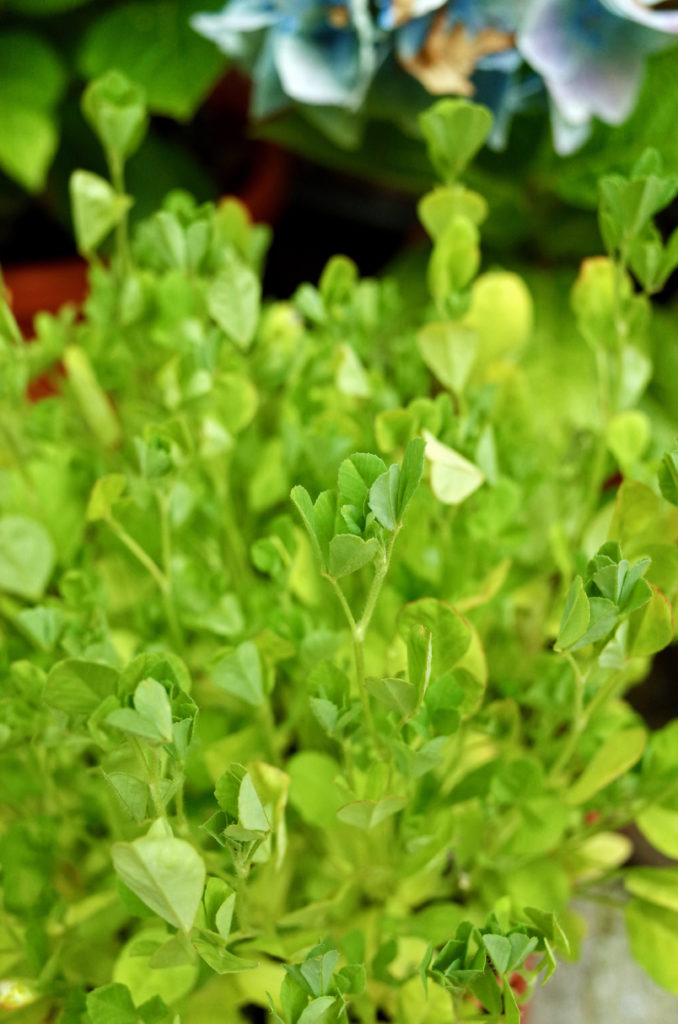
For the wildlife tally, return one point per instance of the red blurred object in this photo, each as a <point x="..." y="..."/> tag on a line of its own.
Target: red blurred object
<point x="36" y="286"/>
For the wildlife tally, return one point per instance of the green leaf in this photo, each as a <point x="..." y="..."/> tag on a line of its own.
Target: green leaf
<point x="455" y="259"/>
<point x="78" y="687"/>
<point x="224" y="916"/>
<point x="628" y="435"/>
<point x="131" y="792"/>
<point x="213" y="951"/>
<point x="659" y="824"/>
<point x="437" y="208"/>
<point x="349" y="553"/>
<point x="32" y="80"/>
<point x="152" y="41"/>
<point x="668" y="476"/>
<point x="237" y="797"/>
<point x="167" y="874"/>
<point x="384" y="497"/>
<point x="111" y="1004"/>
<point x="654" y="885"/>
<point x="356" y="476"/>
<point x="499" y="949"/>
<point x="511" y="1008"/>
<point x="239" y="673"/>
<point x="604" y="616"/>
<point x="454" y="131"/>
<point x="233" y="301"/>
<point x="653" y="935"/>
<point x="115" y="108"/>
<point x="152" y="717"/>
<point x="396" y="694"/>
<point x="453" y="478"/>
<point x="617" y="754"/>
<point x="97" y="209"/>
<point x="105" y="493"/>
<point x="313" y="792"/>
<point x="451" y="635"/>
<point x="411" y="472"/>
<point x="651" y="626"/>
<point x="318" y="1011"/>
<point x="576" y="615"/>
<point x="27" y="557"/>
<point x="449" y="350"/>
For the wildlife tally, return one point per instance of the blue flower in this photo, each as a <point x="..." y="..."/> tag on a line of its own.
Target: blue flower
<point x="314" y="52"/>
<point x="645" y="13"/>
<point x="444" y="48"/>
<point x="591" y="61"/>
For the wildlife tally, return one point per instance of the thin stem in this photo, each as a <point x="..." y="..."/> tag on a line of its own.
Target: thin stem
<point x="182" y="823"/>
<point x="155" y="571"/>
<point x="268" y="723"/>
<point x="121" y="236"/>
<point x="577" y="718"/>
<point x="359" y="628"/>
<point x="168" y="597"/>
<point x="359" y="657"/>
<point x="141" y="556"/>
<point x="342" y="601"/>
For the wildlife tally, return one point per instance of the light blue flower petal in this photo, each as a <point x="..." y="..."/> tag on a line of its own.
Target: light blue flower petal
<point x="568" y="137"/>
<point x="319" y="71"/>
<point x="238" y="16"/>
<point x="645" y="13"/>
<point x="268" y="95"/>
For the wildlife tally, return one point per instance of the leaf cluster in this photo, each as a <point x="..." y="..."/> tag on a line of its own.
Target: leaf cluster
<point x="316" y="623"/>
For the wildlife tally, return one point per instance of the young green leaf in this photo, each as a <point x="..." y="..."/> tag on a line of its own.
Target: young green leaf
<point x="411" y="472"/>
<point x="654" y="885"/>
<point x="233" y="300"/>
<point x="356" y="476"/>
<point x="668" y="476"/>
<point x="348" y="554"/>
<point x="116" y="110"/>
<point x="576" y="615"/>
<point x="384" y="497"/>
<point x="395" y="694"/>
<point x="27" y="557"/>
<point x="454" y="130"/>
<point x="619" y="753"/>
<point x="239" y="673"/>
<point x="653" y="936"/>
<point x="166" y="873"/>
<point x="453" y="478"/>
<point x="97" y="209"/>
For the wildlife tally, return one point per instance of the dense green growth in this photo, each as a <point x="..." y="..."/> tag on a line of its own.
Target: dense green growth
<point x="346" y="756"/>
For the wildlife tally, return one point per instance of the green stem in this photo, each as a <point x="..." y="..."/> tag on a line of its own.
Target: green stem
<point x="182" y="823"/>
<point x="359" y="628"/>
<point x="121" y="234"/>
<point x="168" y="597"/>
<point x="233" y="547"/>
<point x="577" y="718"/>
<point x="155" y="571"/>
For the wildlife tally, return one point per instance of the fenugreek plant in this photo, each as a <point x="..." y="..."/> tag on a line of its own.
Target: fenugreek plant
<point x="318" y="616"/>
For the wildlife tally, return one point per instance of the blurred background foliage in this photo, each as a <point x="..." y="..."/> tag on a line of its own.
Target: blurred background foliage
<point x="361" y="201"/>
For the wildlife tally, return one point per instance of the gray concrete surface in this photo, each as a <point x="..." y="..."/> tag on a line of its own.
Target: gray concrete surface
<point x="606" y="986"/>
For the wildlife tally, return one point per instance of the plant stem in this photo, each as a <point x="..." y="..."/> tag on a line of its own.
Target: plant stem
<point x="578" y="720"/>
<point x="359" y="628"/>
<point x="155" y="571"/>
<point x="121" y="236"/>
<point x="166" y="541"/>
